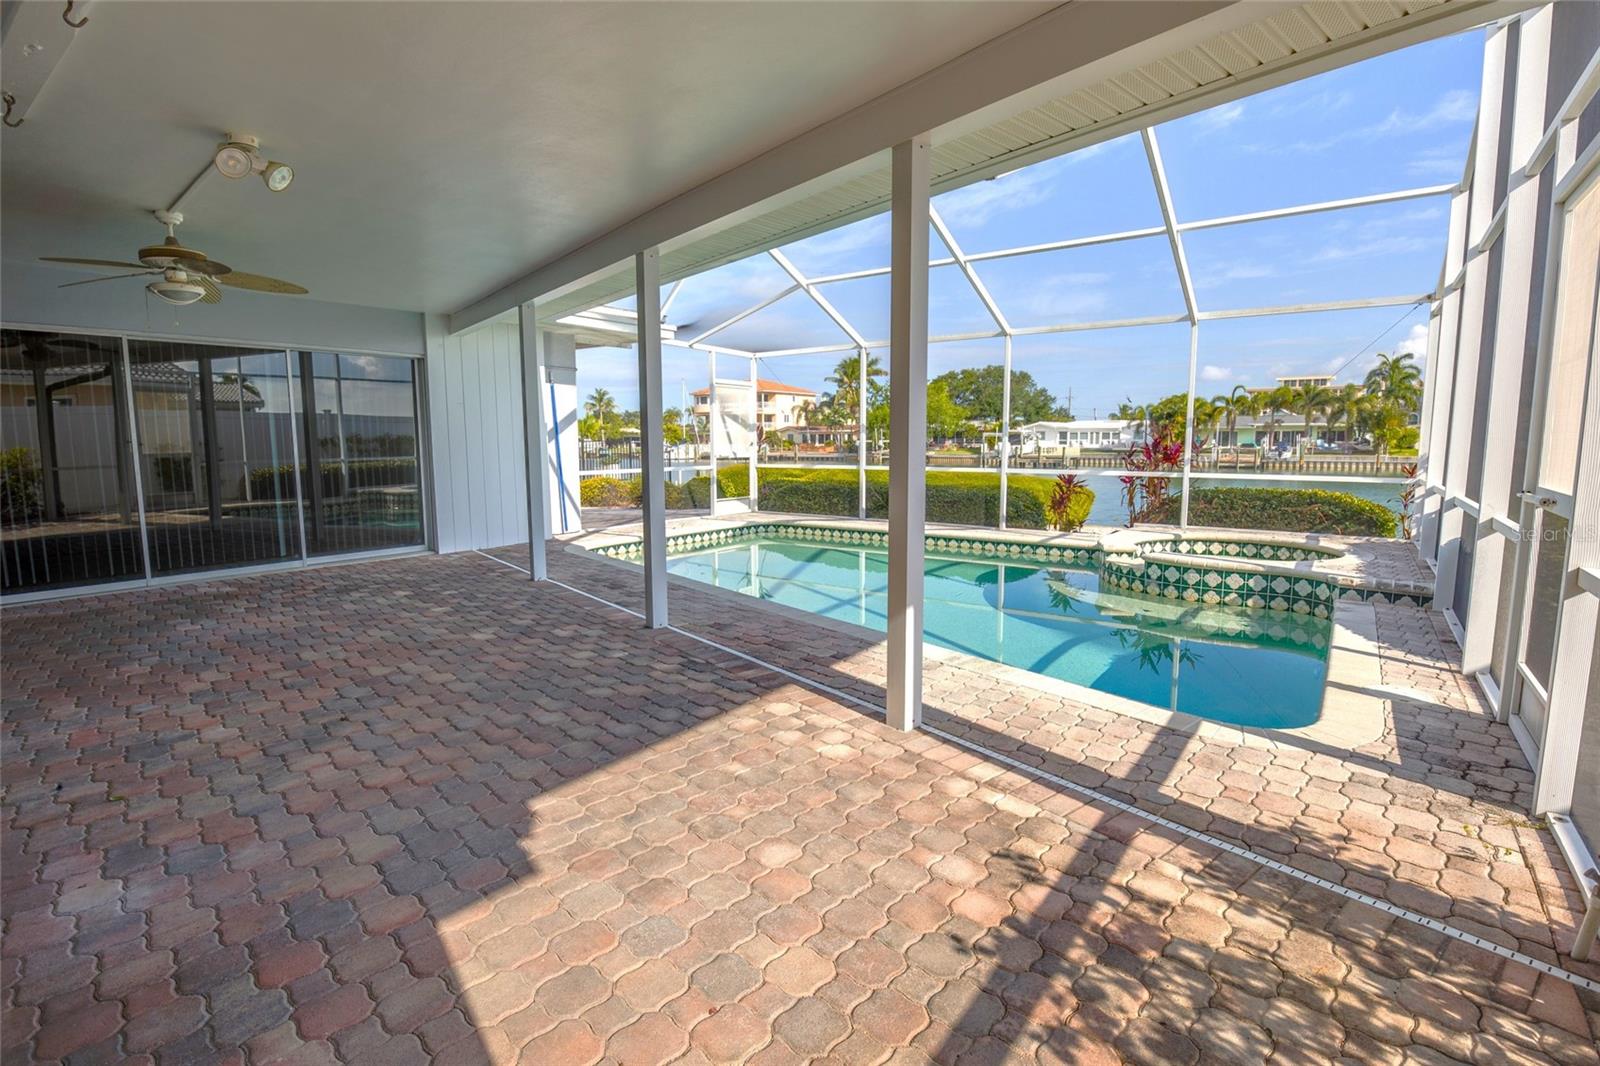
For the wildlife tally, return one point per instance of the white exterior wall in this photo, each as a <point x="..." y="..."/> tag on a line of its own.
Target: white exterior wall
<point x="480" y="486"/>
<point x="475" y="429"/>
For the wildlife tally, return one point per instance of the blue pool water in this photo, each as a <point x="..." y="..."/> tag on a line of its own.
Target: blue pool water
<point x="1244" y="667"/>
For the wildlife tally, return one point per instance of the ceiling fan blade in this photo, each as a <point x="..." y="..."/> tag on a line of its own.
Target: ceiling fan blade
<point x="92" y="262"/>
<point x="213" y="294"/>
<point x="109" y="277"/>
<point x="238" y="279"/>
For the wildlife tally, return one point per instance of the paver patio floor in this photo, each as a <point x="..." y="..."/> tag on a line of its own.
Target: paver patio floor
<point x="420" y="810"/>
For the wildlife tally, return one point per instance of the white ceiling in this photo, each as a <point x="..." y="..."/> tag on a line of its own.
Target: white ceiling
<point x="439" y="149"/>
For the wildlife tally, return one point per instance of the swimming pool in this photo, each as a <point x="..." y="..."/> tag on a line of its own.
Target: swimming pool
<point x="1245" y="667"/>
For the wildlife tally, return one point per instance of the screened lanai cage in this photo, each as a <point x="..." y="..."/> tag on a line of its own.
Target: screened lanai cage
<point x="1235" y="300"/>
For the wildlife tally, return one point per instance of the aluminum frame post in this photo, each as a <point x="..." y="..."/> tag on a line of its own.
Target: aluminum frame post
<point x="861" y="433"/>
<point x="712" y="418"/>
<point x="533" y="440"/>
<point x="1005" y="434"/>
<point x="908" y="427"/>
<point x="652" y="457"/>
<point x="755" y="431"/>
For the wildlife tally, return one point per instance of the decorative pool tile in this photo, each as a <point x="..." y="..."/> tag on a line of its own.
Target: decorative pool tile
<point x="1210" y="581"/>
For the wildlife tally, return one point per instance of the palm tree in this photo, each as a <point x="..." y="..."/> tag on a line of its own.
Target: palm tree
<point x="602" y="407"/>
<point x="1397" y="378"/>
<point x="1347" y="405"/>
<point x="846" y="381"/>
<point x="1207" y="413"/>
<point x="1273" y="403"/>
<point x="1310" y="401"/>
<point x="1242" y="403"/>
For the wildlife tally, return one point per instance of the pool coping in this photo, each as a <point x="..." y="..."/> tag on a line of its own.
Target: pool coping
<point x="1354" y="712"/>
<point x="1328" y="570"/>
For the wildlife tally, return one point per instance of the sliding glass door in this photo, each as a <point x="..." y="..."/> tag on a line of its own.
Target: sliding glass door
<point x="68" y="512"/>
<point x="216" y="455"/>
<point x="361" y="439"/>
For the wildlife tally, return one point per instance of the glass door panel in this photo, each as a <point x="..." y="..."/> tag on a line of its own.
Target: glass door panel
<point x="1544" y="612"/>
<point x="67" y="511"/>
<point x="216" y="443"/>
<point x="361" y="440"/>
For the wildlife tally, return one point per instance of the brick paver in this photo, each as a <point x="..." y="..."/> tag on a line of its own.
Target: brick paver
<point x="421" y="811"/>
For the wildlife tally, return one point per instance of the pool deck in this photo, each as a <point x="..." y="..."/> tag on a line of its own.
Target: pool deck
<point x="422" y="810"/>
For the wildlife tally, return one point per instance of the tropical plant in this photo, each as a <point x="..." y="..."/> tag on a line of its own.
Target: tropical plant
<point x="1273" y="403"/>
<point x="1070" y="500"/>
<point x="1408" y="495"/>
<point x="1310" y="400"/>
<point x="1156" y="458"/>
<point x="1396" y="378"/>
<point x="1348" y="405"/>
<point x="602" y="407"/>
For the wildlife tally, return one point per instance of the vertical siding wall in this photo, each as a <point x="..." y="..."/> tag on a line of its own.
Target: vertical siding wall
<point x="475" y="415"/>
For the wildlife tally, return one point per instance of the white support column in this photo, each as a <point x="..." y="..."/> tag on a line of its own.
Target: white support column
<point x="908" y="426"/>
<point x="755" y="431"/>
<point x="1005" y="433"/>
<point x="861" y="433"/>
<point x="712" y="413"/>
<point x="652" y="459"/>
<point x="533" y="440"/>
<point x="1188" y="425"/>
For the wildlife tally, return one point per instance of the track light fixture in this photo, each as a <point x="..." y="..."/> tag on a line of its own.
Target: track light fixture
<point x="240" y="156"/>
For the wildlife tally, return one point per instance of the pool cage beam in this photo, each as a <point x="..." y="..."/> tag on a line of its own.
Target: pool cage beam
<point x="1171" y="228"/>
<point x="1180" y="261"/>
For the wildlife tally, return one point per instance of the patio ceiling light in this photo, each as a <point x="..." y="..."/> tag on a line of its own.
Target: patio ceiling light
<point x="240" y="156"/>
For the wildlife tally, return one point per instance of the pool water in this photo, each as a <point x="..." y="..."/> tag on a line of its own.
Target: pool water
<point x="1245" y="667"/>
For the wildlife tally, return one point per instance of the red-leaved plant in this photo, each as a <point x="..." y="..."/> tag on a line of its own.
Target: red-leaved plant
<point x="1146" y="497"/>
<point x="1408" y="495"/>
<point x="1066" y="487"/>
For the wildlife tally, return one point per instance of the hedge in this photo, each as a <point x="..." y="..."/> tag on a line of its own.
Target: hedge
<point x="277" y="482"/>
<point x="957" y="496"/>
<point x="1288" y="510"/>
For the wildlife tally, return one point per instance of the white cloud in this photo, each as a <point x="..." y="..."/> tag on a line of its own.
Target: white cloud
<point x="1062" y="297"/>
<point x="1377" y="246"/>
<point x="1415" y="342"/>
<point x="1216" y="373"/>
<point x="981" y="201"/>
<point x="1220" y="118"/>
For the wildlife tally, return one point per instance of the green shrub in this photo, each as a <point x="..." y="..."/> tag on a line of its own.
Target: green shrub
<point x="967" y="497"/>
<point x="1288" y="510"/>
<point x="609" y="492"/>
<point x="21" y="486"/>
<point x="956" y="496"/>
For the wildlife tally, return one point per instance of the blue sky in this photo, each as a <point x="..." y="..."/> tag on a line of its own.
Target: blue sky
<point x="1395" y="122"/>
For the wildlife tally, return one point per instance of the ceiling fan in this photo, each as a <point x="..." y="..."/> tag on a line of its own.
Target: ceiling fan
<point x="184" y="275"/>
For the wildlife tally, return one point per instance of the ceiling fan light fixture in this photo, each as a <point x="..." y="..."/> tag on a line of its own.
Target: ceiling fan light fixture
<point x="176" y="288"/>
<point x="277" y="175"/>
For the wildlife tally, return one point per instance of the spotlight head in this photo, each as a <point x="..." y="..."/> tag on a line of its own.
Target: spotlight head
<point x="237" y="157"/>
<point x="277" y="175"/>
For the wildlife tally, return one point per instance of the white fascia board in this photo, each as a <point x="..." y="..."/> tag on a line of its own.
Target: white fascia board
<point x="1067" y="48"/>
